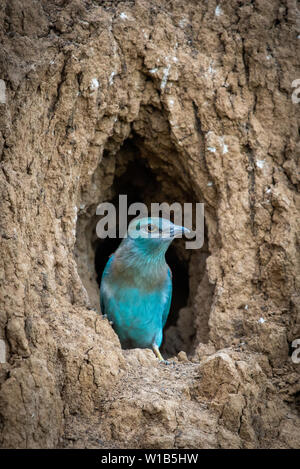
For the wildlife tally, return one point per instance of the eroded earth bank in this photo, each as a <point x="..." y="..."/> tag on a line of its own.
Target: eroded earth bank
<point x="162" y="101"/>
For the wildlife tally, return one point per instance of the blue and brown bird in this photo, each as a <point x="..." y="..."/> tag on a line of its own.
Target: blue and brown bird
<point x="136" y="284"/>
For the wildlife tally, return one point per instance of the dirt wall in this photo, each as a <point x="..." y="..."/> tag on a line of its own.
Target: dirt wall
<point x="200" y="94"/>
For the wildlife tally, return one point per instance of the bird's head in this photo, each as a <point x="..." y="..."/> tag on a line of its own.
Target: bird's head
<point x="154" y="234"/>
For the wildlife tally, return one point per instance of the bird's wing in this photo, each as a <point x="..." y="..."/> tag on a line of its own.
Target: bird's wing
<point x="102" y="294"/>
<point x="169" y="298"/>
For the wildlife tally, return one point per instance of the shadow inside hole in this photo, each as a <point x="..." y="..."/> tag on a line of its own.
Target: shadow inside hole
<point x="180" y="280"/>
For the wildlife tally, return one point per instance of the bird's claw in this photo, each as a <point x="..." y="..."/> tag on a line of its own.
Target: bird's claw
<point x="166" y="362"/>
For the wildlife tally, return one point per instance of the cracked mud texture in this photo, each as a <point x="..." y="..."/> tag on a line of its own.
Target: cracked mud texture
<point x="205" y="95"/>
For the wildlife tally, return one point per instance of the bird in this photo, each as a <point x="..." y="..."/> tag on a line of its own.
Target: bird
<point x="136" y="284"/>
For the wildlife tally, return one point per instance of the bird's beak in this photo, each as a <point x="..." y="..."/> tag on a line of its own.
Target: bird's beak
<point x="177" y="231"/>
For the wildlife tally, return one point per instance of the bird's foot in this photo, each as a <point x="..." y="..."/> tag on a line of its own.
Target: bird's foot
<point x="157" y="352"/>
<point x="160" y="357"/>
<point x="165" y="362"/>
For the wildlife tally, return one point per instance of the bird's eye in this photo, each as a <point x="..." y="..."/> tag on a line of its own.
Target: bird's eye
<point x="150" y="228"/>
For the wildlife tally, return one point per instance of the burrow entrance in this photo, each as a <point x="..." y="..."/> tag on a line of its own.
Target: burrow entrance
<point x="135" y="177"/>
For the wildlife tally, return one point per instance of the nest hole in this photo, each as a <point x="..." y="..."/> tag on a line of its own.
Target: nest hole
<point x="135" y="178"/>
